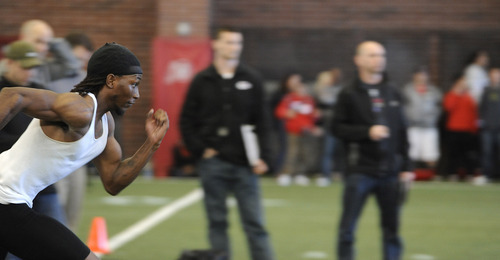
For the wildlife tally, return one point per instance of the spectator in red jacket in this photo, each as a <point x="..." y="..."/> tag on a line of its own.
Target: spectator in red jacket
<point x="462" y="128"/>
<point x="299" y="112"/>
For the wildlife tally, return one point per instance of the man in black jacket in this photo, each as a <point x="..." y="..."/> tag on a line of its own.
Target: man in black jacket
<point x="370" y="122"/>
<point x="221" y="102"/>
<point x="489" y="112"/>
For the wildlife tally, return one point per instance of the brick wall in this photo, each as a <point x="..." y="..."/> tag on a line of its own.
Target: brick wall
<point x="314" y="35"/>
<point x="359" y="14"/>
<point x="194" y="12"/>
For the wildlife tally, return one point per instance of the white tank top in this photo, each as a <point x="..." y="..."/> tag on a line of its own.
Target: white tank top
<point x="36" y="161"/>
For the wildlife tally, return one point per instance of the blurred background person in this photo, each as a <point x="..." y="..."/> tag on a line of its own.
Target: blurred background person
<point x="370" y="121"/>
<point x="82" y="49"/>
<point x="58" y="58"/>
<point x="327" y="88"/>
<point x="221" y="100"/>
<point x="476" y="74"/>
<point x="287" y="83"/>
<point x="71" y="189"/>
<point x="21" y="62"/>
<point x="489" y="115"/>
<point x="422" y="109"/>
<point x="461" y="130"/>
<point x="299" y="113"/>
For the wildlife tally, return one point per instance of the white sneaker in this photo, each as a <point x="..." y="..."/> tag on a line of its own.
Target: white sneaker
<point x="301" y="180"/>
<point x="284" y="180"/>
<point x="480" y="181"/>
<point x="323" y="182"/>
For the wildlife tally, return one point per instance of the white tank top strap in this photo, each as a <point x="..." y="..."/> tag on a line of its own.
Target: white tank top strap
<point x="104" y="117"/>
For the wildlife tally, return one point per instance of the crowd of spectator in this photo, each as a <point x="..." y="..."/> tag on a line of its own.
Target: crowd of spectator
<point x="453" y="134"/>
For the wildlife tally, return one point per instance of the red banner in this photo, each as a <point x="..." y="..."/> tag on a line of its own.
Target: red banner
<point x="175" y="62"/>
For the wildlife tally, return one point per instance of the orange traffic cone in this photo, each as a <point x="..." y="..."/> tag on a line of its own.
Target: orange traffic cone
<point x="98" y="236"/>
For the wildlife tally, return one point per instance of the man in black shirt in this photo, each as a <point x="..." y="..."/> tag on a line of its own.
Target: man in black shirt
<point x="489" y="112"/>
<point x="370" y="122"/>
<point x="222" y="101"/>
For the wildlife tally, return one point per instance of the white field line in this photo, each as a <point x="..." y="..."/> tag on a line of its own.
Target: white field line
<point x="154" y="219"/>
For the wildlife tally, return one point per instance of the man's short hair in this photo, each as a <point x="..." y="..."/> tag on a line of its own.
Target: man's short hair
<point x="79" y="39"/>
<point x="420" y="69"/>
<point x="472" y="58"/>
<point x="224" y="29"/>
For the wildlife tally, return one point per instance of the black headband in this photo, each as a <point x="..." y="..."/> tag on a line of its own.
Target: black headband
<point x="113" y="58"/>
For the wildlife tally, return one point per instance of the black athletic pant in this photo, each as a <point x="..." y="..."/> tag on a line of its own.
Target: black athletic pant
<point x="462" y="151"/>
<point x="31" y="235"/>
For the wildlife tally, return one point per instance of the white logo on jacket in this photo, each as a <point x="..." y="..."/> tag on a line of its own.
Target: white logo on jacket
<point x="243" y="85"/>
<point x="301" y="107"/>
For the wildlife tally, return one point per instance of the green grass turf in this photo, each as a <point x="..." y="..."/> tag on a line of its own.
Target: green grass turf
<point x="452" y="221"/>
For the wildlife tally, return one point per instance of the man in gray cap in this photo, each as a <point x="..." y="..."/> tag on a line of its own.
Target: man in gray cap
<point x="68" y="131"/>
<point x="21" y="61"/>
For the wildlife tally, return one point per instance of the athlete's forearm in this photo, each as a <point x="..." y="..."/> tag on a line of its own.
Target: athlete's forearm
<point x="128" y="169"/>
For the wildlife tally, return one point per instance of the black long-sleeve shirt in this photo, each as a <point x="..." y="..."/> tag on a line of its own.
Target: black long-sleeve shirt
<point x="358" y="108"/>
<point x="17" y="125"/>
<point x="489" y="109"/>
<point x="215" y="109"/>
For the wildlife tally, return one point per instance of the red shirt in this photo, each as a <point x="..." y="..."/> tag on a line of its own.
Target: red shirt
<point x="304" y="108"/>
<point x="462" y="112"/>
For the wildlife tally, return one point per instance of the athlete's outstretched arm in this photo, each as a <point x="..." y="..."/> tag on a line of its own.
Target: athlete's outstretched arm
<point x="46" y="105"/>
<point x="116" y="174"/>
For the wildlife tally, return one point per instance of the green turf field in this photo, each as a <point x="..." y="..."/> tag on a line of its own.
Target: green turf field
<point x="442" y="221"/>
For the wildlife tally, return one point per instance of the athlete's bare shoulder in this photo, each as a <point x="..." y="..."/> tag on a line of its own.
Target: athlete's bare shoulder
<point x="75" y="110"/>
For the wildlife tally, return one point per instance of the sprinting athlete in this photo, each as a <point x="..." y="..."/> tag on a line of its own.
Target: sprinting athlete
<point x="68" y="131"/>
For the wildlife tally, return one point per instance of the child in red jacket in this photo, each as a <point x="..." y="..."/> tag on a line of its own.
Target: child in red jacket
<point x="461" y="130"/>
<point x="299" y="112"/>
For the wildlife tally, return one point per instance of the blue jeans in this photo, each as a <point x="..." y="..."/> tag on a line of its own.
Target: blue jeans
<point x="357" y="189"/>
<point x="490" y="149"/>
<point x="282" y="146"/>
<point x="219" y="179"/>
<point x="327" y="156"/>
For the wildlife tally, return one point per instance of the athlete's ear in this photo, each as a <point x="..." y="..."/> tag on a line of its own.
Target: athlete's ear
<point x="110" y="80"/>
